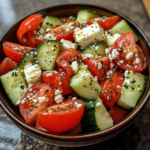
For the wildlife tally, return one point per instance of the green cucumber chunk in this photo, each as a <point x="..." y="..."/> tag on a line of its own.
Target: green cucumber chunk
<point x="84" y="15"/>
<point x="14" y="85"/>
<point x="131" y="94"/>
<point x="47" y="53"/>
<point x="84" y="84"/>
<point x="27" y="59"/>
<point x="123" y="27"/>
<point x="95" y="49"/>
<point x="96" y="116"/>
<point x="51" y="22"/>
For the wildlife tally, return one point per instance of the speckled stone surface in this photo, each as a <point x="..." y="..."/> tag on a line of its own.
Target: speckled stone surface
<point x="135" y="137"/>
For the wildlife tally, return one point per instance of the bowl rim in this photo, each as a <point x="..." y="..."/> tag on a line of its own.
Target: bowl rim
<point x="122" y="123"/>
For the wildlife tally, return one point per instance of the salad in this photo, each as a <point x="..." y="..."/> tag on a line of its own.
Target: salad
<point x="74" y="74"/>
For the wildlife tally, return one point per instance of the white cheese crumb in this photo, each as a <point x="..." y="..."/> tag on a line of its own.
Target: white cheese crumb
<point x="107" y="50"/>
<point x="57" y="92"/>
<point x="49" y="74"/>
<point x="74" y="66"/>
<point x="139" y="89"/>
<point x="98" y="104"/>
<point x="34" y="100"/>
<point x="78" y="105"/>
<point x="22" y="101"/>
<point x="109" y="73"/>
<point x="74" y="98"/>
<point x="87" y="56"/>
<point x="59" y="98"/>
<point x="121" y="61"/>
<point x="115" y="54"/>
<point x="41" y="99"/>
<point x="137" y="60"/>
<point x="99" y="65"/>
<point x="49" y="36"/>
<point x="18" y="102"/>
<point x="130" y="55"/>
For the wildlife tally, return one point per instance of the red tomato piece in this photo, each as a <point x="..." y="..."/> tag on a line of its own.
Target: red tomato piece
<point x="15" y="51"/>
<point x="106" y="23"/>
<point x="61" y="117"/>
<point x="65" y="83"/>
<point x="52" y="79"/>
<point x="61" y="33"/>
<point x="6" y="65"/>
<point x="125" y="45"/>
<point x="64" y="59"/>
<point x="112" y="89"/>
<point x="40" y="41"/>
<point x="31" y="39"/>
<point x="29" y="24"/>
<point x="30" y="105"/>
<point x="93" y="66"/>
<point x="40" y="128"/>
<point x="117" y="113"/>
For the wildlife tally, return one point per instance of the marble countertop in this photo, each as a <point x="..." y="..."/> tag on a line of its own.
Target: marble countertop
<point x="135" y="137"/>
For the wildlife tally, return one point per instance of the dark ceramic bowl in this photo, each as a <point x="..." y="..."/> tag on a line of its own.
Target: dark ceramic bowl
<point x="80" y="139"/>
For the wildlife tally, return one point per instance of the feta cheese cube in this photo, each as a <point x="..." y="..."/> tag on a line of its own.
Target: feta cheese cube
<point x="74" y="66"/>
<point x="110" y="39"/>
<point x="89" y="35"/>
<point x="59" y="98"/>
<point x="33" y="73"/>
<point x="41" y="99"/>
<point x="68" y="44"/>
<point x="115" y="54"/>
<point x="57" y="92"/>
<point x="137" y="60"/>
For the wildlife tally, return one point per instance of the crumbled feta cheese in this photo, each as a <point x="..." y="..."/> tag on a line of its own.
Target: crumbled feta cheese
<point x="107" y="50"/>
<point x="121" y="61"/>
<point x="22" y="101"/>
<point x="49" y="36"/>
<point x="115" y="54"/>
<point x="137" y="60"/>
<point x="49" y="74"/>
<point x="89" y="35"/>
<point x="34" y="100"/>
<point x="57" y="92"/>
<point x="109" y="73"/>
<point x="48" y="29"/>
<point x="33" y="73"/>
<point x="110" y="39"/>
<point x="129" y="56"/>
<point x="139" y="89"/>
<point x="99" y="65"/>
<point x="96" y="78"/>
<point x="41" y="99"/>
<point x="18" y="102"/>
<point x="74" y="98"/>
<point x="97" y="19"/>
<point x="59" y="98"/>
<point x="127" y="81"/>
<point x="98" y="104"/>
<point x="67" y="44"/>
<point x="78" y="105"/>
<point x="74" y="66"/>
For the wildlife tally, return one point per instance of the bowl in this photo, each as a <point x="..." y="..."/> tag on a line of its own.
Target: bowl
<point x="80" y="139"/>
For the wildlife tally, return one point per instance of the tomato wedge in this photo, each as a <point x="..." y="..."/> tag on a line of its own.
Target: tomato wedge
<point x="68" y="19"/>
<point x="15" y="51"/>
<point x="62" y="33"/>
<point x="61" y="117"/>
<point x="52" y="79"/>
<point x="34" y="100"/>
<point x="106" y="23"/>
<point x="117" y="113"/>
<point x="131" y="56"/>
<point x="93" y="63"/>
<point x="29" y="24"/>
<point x="64" y="59"/>
<point x="112" y="89"/>
<point x="6" y="65"/>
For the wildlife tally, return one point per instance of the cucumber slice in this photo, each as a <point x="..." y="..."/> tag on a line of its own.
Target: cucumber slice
<point x="14" y="85"/>
<point x="123" y="27"/>
<point x="95" y="49"/>
<point x="47" y="53"/>
<point x="27" y="59"/>
<point x="51" y="22"/>
<point x="96" y="116"/>
<point x="131" y="94"/>
<point x="84" y="84"/>
<point x="84" y="15"/>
